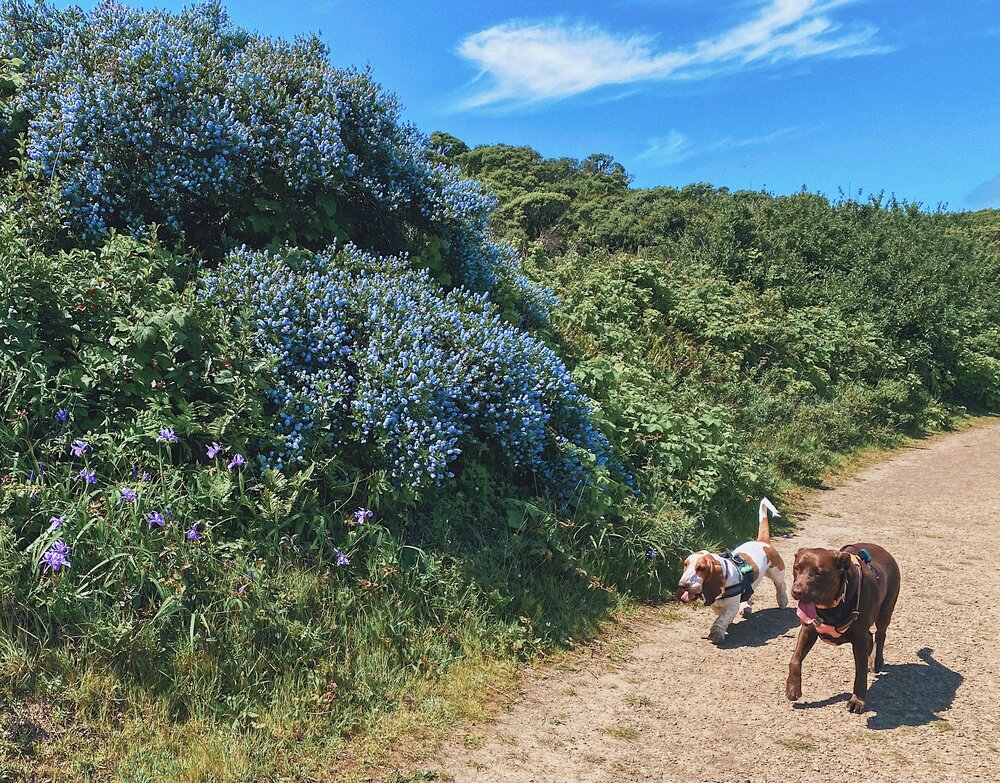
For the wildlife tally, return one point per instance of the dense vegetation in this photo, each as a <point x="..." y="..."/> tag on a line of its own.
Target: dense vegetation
<point x="291" y="422"/>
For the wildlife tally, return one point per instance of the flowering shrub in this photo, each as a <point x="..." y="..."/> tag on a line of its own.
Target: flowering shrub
<point x="223" y="138"/>
<point x="370" y="353"/>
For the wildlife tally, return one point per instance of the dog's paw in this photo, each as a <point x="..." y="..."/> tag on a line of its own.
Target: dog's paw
<point x="856" y="705"/>
<point x="782" y="601"/>
<point x="716" y="637"/>
<point x="747" y="610"/>
<point x="793" y="690"/>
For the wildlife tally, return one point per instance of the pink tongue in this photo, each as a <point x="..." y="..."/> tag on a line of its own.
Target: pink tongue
<point x="686" y="597"/>
<point x="806" y="612"/>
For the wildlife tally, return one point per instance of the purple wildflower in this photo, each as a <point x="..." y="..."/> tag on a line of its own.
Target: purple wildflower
<point x="135" y="471"/>
<point x="55" y="523"/>
<point x="341" y="558"/>
<point x="86" y="475"/>
<point x="215" y="450"/>
<point x="146" y="476"/>
<point x="128" y="495"/>
<point x="156" y="518"/>
<point x="62" y="415"/>
<point x="237" y="462"/>
<point x="166" y="436"/>
<point x="57" y="556"/>
<point x="650" y="554"/>
<point x="361" y="515"/>
<point x="245" y="585"/>
<point x="192" y="533"/>
<point x="79" y="447"/>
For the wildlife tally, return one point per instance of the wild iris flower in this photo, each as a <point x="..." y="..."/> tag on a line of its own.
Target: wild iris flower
<point x="166" y="436"/>
<point x="88" y="476"/>
<point x="341" y="558"/>
<point x="192" y="533"/>
<point x="156" y="518"/>
<point x="215" y="450"/>
<point x="55" y="523"/>
<point x="237" y="462"/>
<point x="57" y="556"/>
<point x="62" y="415"/>
<point x="361" y="515"/>
<point x="79" y="448"/>
<point x="128" y="495"/>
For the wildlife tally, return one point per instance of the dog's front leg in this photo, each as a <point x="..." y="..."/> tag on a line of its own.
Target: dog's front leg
<point x="803" y="644"/>
<point x="860" y="644"/>
<point x="727" y="609"/>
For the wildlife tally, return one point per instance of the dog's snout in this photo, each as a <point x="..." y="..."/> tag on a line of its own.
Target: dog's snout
<point x="796" y="592"/>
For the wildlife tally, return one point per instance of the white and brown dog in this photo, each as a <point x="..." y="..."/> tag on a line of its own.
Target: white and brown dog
<point x="722" y="584"/>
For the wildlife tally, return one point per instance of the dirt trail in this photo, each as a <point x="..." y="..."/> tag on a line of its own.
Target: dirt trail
<point x="664" y="704"/>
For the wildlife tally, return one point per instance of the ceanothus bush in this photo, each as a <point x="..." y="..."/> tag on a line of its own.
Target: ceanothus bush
<point x="226" y="138"/>
<point x="371" y="354"/>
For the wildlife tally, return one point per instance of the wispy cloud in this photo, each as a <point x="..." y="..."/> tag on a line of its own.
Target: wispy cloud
<point x="528" y="62"/>
<point x="675" y="147"/>
<point x="984" y="196"/>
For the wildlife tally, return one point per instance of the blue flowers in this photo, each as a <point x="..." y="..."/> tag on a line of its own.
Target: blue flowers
<point x="374" y="355"/>
<point x="237" y="461"/>
<point x="56" y="557"/>
<point x="342" y="559"/>
<point x="215" y="450"/>
<point x="127" y="495"/>
<point x="166" y="436"/>
<point x="86" y="475"/>
<point x="62" y="415"/>
<point x="156" y="519"/>
<point x="192" y="534"/>
<point x="79" y="448"/>
<point x="55" y="523"/>
<point x="362" y="515"/>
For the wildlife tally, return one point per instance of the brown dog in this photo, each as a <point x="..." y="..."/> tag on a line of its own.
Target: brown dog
<point x="841" y="595"/>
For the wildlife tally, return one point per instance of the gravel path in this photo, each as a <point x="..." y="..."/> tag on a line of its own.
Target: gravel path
<point x="661" y="703"/>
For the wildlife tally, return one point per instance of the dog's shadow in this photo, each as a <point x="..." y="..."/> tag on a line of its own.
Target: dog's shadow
<point x="905" y="694"/>
<point x="912" y="694"/>
<point x="760" y="628"/>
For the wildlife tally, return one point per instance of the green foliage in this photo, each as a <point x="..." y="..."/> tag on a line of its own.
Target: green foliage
<point x="729" y="344"/>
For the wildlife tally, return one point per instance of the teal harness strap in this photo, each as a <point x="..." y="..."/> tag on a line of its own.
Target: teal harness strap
<point x="743" y="588"/>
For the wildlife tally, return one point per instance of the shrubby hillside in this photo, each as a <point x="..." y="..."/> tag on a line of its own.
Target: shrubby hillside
<point x="800" y="326"/>
<point x="305" y="416"/>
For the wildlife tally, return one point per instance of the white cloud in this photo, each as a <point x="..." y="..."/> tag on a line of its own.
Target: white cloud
<point x="984" y="196"/>
<point x="676" y="147"/>
<point x="531" y="62"/>
<point x="664" y="150"/>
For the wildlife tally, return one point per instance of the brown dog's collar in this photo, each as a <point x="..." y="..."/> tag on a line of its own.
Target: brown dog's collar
<point x="837" y="630"/>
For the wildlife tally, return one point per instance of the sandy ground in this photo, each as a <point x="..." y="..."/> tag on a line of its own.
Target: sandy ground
<point x="662" y="703"/>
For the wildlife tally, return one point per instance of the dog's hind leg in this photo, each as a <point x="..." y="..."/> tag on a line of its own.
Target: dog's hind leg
<point x="876" y="659"/>
<point x="777" y="575"/>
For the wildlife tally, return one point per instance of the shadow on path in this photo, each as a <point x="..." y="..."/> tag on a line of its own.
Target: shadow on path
<point x="911" y="694"/>
<point x="760" y="628"/>
<point x="904" y="694"/>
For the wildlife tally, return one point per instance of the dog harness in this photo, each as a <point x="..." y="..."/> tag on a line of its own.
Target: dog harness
<point x="744" y="570"/>
<point x="829" y="629"/>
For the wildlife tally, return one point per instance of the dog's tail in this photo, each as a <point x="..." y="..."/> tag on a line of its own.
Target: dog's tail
<point x="763" y="529"/>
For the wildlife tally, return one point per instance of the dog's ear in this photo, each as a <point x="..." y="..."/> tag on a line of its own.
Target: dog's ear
<point x="844" y="561"/>
<point x="714" y="583"/>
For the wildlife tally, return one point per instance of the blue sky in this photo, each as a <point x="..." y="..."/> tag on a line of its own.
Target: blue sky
<point x="894" y="95"/>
